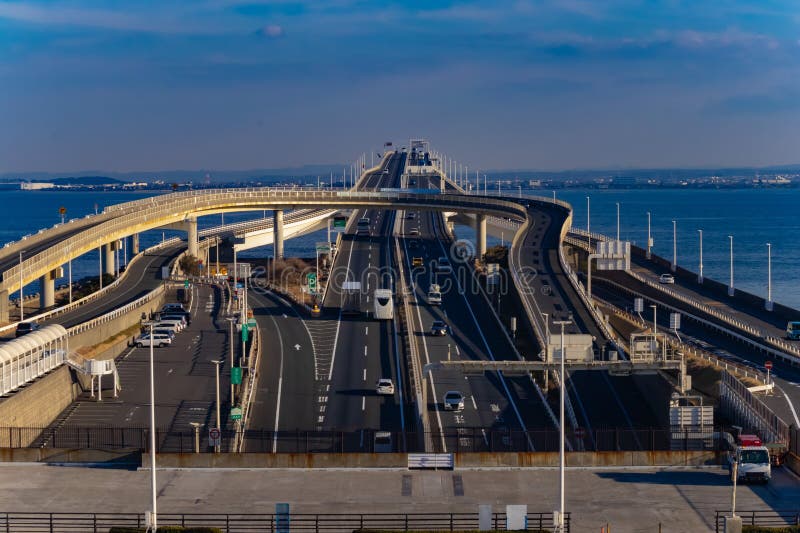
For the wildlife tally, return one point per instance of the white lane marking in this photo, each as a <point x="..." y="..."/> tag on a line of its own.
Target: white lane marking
<point x="339" y="322"/>
<point x="488" y="349"/>
<point x="366" y="332"/>
<point x="365" y="351"/>
<point x="475" y="405"/>
<point x="458" y="352"/>
<point x="280" y="388"/>
<point x="791" y="406"/>
<point x="363" y="403"/>
<point x="365" y="375"/>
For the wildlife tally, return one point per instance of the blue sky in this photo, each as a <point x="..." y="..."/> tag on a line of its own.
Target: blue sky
<point x="229" y="84"/>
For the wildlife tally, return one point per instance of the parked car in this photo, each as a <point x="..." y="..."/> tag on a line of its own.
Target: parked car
<point x="160" y="340"/>
<point x="175" y="316"/>
<point x="439" y="328"/>
<point x="384" y="386"/>
<point x="453" y="401"/>
<point x="414" y="232"/>
<point x="162" y="331"/>
<point x="666" y="278"/>
<point x="174" y="325"/>
<point x="416" y="262"/>
<point x="23" y="328"/>
<point x="173" y="306"/>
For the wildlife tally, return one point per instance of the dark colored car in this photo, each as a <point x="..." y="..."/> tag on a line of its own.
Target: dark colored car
<point x="439" y="328"/>
<point x="23" y="328"/>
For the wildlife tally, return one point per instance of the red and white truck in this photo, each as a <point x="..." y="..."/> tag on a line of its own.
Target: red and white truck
<point x="752" y="459"/>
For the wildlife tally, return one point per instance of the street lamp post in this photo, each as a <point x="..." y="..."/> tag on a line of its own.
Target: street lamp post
<point x="731" y="290"/>
<point x="617" y="221"/>
<point x="153" y="485"/>
<point x="700" y="275"/>
<point x="561" y="456"/>
<point x="768" y="304"/>
<point x="674" y="246"/>
<point x="21" y="295"/>
<point x="588" y="229"/>
<point x="649" y="238"/>
<point x="217" y="362"/>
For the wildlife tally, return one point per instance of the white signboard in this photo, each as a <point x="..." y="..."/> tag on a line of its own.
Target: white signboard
<point x="577" y="347"/>
<point x="675" y="321"/>
<point x="614" y="255"/>
<point x="638" y="304"/>
<point x="516" y="517"/>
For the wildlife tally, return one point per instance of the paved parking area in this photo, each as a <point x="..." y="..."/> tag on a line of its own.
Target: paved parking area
<point x="630" y="500"/>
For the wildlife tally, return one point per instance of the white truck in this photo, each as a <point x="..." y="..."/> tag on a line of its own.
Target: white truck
<point x="434" y="294"/>
<point x="750" y="459"/>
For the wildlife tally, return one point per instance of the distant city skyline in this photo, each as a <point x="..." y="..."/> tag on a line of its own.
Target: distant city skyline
<point x="542" y="85"/>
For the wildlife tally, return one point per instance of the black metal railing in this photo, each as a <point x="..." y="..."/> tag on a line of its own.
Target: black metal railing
<point x="767" y="517"/>
<point x="240" y="523"/>
<point x="358" y="441"/>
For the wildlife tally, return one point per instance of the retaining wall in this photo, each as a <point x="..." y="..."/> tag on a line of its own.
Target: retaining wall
<point x="462" y="460"/>
<point x="106" y="330"/>
<point x="38" y="403"/>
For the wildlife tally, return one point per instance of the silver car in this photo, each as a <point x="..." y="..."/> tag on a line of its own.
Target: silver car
<point x="453" y="401"/>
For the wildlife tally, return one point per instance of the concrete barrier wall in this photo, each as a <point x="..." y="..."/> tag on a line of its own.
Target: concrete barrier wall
<point x="793" y="462"/>
<point x="39" y="403"/>
<point x="108" y="329"/>
<point x="58" y="455"/>
<point x="462" y="460"/>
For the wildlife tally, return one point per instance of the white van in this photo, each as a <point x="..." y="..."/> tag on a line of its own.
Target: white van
<point x="159" y="339"/>
<point x="175" y="325"/>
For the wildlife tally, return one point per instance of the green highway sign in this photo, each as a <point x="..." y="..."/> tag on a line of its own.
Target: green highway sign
<point x="186" y="284"/>
<point x="251" y="323"/>
<point x="323" y="247"/>
<point x="236" y="413"/>
<point x="339" y="223"/>
<point x="245" y="333"/>
<point x="236" y="375"/>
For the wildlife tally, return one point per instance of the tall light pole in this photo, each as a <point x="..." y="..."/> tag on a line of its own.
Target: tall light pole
<point x="674" y="246"/>
<point x="217" y="362"/>
<point x="617" y="221"/>
<point x="649" y="238"/>
<point x="153" y="486"/>
<point x="700" y="275"/>
<point x="731" y="290"/>
<point x="768" y="304"/>
<point x="21" y="300"/>
<point x="588" y="229"/>
<point x="561" y="456"/>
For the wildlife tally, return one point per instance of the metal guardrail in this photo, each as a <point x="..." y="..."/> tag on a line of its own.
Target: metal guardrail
<point x="750" y="412"/>
<point x="722" y="329"/>
<point x="772" y="518"/>
<point x="779" y="343"/>
<point x="690" y="350"/>
<point x="166" y="209"/>
<point x="249" y="523"/>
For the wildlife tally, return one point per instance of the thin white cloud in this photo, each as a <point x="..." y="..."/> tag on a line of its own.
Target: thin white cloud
<point x="60" y="15"/>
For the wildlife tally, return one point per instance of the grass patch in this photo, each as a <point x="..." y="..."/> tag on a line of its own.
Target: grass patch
<point x="765" y="529"/>
<point x="90" y="352"/>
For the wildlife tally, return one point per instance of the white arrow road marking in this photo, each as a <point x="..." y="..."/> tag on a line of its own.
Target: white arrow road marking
<point x="297" y="347"/>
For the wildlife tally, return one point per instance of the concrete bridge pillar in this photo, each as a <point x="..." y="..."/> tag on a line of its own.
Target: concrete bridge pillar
<point x="135" y="243"/>
<point x="480" y="235"/>
<point x="277" y="235"/>
<point x="47" y="289"/>
<point x="4" y="305"/>
<point x="109" y="266"/>
<point x="193" y="243"/>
